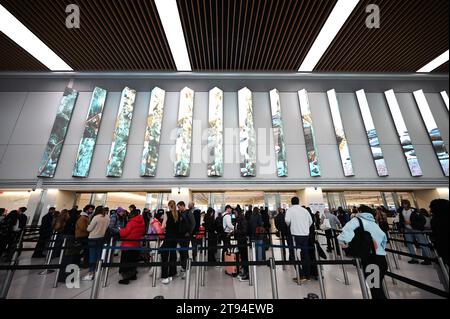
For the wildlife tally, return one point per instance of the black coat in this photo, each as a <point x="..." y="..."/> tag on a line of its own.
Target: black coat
<point x="417" y="220"/>
<point x="46" y="229"/>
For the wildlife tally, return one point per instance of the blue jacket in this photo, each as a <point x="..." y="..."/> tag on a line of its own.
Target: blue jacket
<point x="348" y="232"/>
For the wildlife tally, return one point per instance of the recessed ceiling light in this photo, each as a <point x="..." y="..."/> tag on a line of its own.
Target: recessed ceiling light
<point x="330" y="29"/>
<point x="435" y="63"/>
<point x="170" y="18"/>
<point x="20" y="34"/>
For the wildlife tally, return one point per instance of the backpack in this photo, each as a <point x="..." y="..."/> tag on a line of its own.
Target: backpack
<point x="218" y="225"/>
<point x="362" y="245"/>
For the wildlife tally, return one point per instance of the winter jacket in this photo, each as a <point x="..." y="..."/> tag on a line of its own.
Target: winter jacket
<point x="417" y="220"/>
<point x="81" y="226"/>
<point x="134" y="230"/>
<point x="45" y="230"/>
<point x="241" y="227"/>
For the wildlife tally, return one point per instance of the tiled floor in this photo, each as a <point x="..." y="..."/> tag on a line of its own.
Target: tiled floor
<point x="29" y="284"/>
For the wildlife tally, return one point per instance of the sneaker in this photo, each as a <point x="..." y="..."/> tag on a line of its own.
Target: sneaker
<point x="183" y="275"/>
<point x="166" y="281"/>
<point x="88" y="277"/>
<point x="426" y="262"/>
<point x="183" y="270"/>
<point x="413" y="261"/>
<point x="244" y="278"/>
<point x="124" y="282"/>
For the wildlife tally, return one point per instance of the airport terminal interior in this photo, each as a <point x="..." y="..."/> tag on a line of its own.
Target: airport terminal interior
<point x="342" y="104"/>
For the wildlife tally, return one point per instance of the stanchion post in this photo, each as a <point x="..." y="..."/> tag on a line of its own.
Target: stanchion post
<point x="203" y="259"/>
<point x="320" y="273"/>
<point x="362" y="280"/>
<point x="155" y="271"/>
<point x="444" y="272"/>
<point x="393" y="255"/>
<point x="98" y="275"/>
<point x="10" y="273"/>
<point x="255" y="274"/>
<point x="272" y="251"/>
<point x="385" y="289"/>
<point x="250" y="258"/>
<point x="273" y="277"/>
<point x="110" y="255"/>
<point x="187" y="283"/>
<point x="61" y="256"/>
<point x="197" y="277"/>
<point x="394" y="282"/>
<point x="341" y="257"/>
<point x="49" y="254"/>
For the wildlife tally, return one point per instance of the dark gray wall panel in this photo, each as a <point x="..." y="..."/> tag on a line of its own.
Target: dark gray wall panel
<point x="10" y="106"/>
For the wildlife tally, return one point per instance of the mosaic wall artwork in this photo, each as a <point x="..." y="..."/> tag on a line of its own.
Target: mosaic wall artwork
<point x="402" y="131"/>
<point x="341" y="138"/>
<point x="372" y="134"/>
<point x="247" y="134"/>
<point x="58" y="134"/>
<point x="308" y="130"/>
<point x="433" y="131"/>
<point x="121" y="133"/>
<point x="215" y="133"/>
<point x="182" y="165"/>
<point x="152" y="137"/>
<point x="278" y="132"/>
<point x="87" y="143"/>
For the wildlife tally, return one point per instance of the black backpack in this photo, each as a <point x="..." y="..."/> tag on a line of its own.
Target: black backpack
<point x="362" y="245"/>
<point x="218" y="225"/>
<point x="184" y="223"/>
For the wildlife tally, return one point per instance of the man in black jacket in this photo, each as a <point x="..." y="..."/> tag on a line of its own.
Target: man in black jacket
<point x="45" y="232"/>
<point x="412" y="224"/>
<point x="285" y="234"/>
<point x="196" y="213"/>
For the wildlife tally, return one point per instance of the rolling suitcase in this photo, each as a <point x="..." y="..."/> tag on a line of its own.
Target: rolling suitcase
<point x="231" y="270"/>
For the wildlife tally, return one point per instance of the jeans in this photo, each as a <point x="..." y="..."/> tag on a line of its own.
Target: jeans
<point x="302" y="243"/>
<point x="410" y="236"/>
<point x="260" y="251"/>
<point x="243" y="252"/>
<point x="95" y="252"/>
<point x="287" y="238"/>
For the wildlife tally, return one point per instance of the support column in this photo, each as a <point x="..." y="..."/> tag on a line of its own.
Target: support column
<point x="181" y="194"/>
<point x="425" y="196"/>
<point x="312" y="197"/>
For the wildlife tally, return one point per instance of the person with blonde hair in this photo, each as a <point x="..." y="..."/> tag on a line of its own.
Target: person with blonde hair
<point x="170" y="226"/>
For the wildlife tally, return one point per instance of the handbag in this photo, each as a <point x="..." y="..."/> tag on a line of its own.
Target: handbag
<point x="325" y="224"/>
<point x="157" y="228"/>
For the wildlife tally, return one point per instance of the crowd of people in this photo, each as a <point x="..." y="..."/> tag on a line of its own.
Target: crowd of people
<point x="179" y="227"/>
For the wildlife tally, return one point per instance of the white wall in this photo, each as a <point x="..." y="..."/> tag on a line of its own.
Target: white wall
<point x="26" y="119"/>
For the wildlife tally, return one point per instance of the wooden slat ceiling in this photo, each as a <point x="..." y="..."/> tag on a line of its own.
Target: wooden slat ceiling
<point x="251" y="34"/>
<point x="411" y="34"/>
<point x="113" y="34"/>
<point x="231" y="35"/>
<point x="13" y="57"/>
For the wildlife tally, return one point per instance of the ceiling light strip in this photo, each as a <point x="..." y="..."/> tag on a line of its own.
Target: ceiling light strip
<point x="170" y="19"/>
<point x="331" y="28"/>
<point x="445" y="98"/>
<point x="433" y="65"/>
<point x="21" y="35"/>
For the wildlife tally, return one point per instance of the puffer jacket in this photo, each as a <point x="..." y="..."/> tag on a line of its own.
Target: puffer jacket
<point x="134" y="230"/>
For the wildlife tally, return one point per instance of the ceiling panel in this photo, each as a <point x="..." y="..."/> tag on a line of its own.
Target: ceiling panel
<point x="411" y="34"/>
<point x="113" y="35"/>
<point x="251" y="34"/>
<point x="14" y="58"/>
<point x="442" y="69"/>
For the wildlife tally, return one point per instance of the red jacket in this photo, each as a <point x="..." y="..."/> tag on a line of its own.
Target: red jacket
<point x="134" y="230"/>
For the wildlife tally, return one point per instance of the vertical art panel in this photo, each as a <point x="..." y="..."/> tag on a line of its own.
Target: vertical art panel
<point x="215" y="134"/>
<point x="372" y="134"/>
<point x="433" y="131"/>
<point x="121" y="133"/>
<point x="445" y="98"/>
<point x="402" y="131"/>
<point x="278" y="131"/>
<point x="341" y="138"/>
<point x="92" y="125"/>
<point x="308" y="130"/>
<point x="58" y="134"/>
<point x="247" y="134"/>
<point x="182" y="165"/>
<point x="152" y="137"/>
